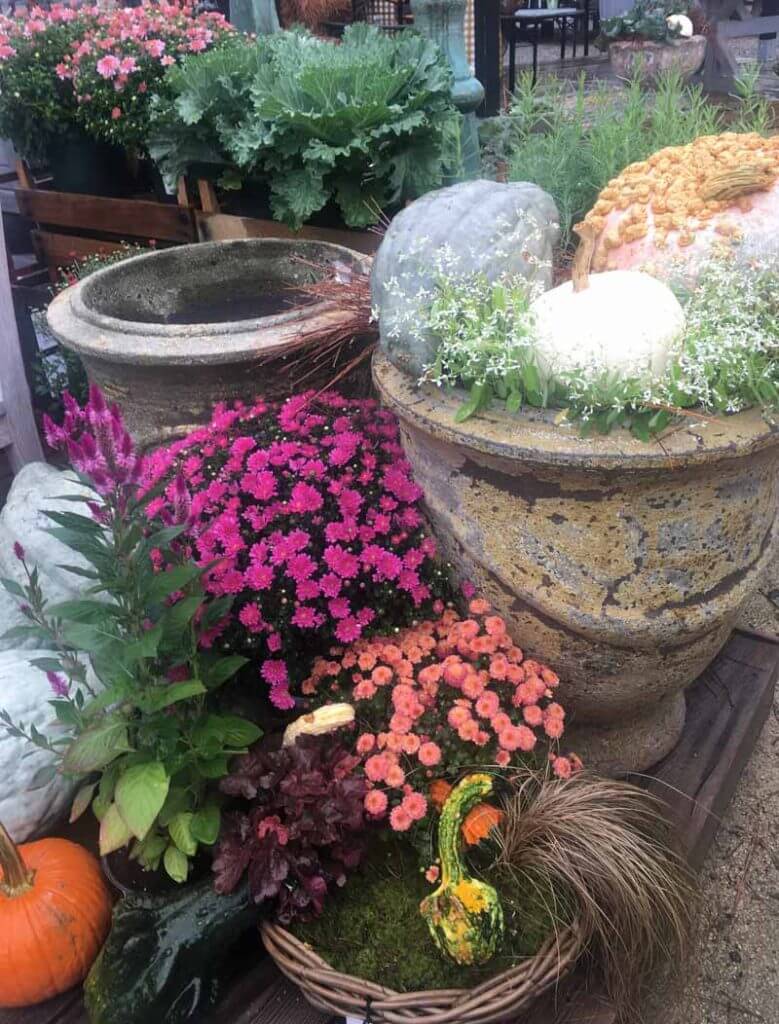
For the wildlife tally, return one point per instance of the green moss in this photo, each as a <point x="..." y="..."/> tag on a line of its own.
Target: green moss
<point x="372" y="928"/>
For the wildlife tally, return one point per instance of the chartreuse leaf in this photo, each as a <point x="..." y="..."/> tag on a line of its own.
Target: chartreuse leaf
<point x="180" y="830"/>
<point x="204" y="825"/>
<point x="81" y="801"/>
<point x="140" y="794"/>
<point x="97" y="747"/>
<point x="114" y="833"/>
<point x="176" y="864"/>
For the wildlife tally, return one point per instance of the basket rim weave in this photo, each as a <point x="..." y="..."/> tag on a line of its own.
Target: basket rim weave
<point x="501" y="996"/>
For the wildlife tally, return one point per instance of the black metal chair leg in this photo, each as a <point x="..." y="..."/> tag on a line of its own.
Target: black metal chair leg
<point x="586" y="28"/>
<point x="536" y="33"/>
<point x="563" y="23"/>
<point x="512" y="59"/>
<point x="574" y="24"/>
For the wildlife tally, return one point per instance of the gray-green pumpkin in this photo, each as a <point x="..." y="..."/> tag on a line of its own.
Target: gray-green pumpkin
<point x="473" y="227"/>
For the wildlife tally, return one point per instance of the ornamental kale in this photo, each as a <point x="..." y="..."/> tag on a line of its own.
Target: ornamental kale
<point x="307" y="514"/>
<point x="366" y="124"/>
<point x="302" y="830"/>
<point x="646" y="19"/>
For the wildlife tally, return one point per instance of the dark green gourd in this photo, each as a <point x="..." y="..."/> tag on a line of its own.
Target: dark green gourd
<point x="163" y="954"/>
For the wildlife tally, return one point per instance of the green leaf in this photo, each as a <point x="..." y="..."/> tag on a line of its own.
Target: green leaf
<point x="220" y="669"/>
<point x="173" y="693"/>
<point x="238" y="732"/>
<point x="46" y="774"/>
<point x="65" y="712"/>
<point x="213" y="767"/>
<point x="47" y="664"/>
<point x="26" y="632"/>
<point x="514" y="401"/>
<point x="204" y="825"/>
<point x="76" y="570"/>
<point x="176" y="864"/>
<point x="81" y="801"/>
<point x="177" y="617"/>
<point x="216" y="610"/>
<point x="85" y="636"/>
<point x="181" y="835"/>
<point x="165" y="583"/>
<point x="13" y="587"/>
<point x="145" y="646"/>
<point x="149" y="852"/>
<point x="473" y="404"/>
<point x="93" y="612"/>
<point x="177" y="801"/>
<point x="114" y="833"/>
<point x="140" y="795"/>
<point x="74" y="521"/>
<point x="97" y="747"/>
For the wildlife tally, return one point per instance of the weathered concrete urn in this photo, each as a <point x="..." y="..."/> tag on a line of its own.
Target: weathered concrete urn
<point x="623" y="565"/>
<point x="649" y="60"/>
<point x="168" y="334"/>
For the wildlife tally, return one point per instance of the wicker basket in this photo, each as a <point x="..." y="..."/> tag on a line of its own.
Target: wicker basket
<point x="502" y="996"/>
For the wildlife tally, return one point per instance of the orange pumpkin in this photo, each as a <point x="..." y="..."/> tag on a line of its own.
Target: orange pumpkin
<point x="479" y="822"/>
<point x="55" y="912"/>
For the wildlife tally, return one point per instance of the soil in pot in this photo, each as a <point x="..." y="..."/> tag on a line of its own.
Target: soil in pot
<point x="86" y="166"/>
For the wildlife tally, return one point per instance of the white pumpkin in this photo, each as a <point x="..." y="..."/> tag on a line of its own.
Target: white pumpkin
<point x="682" y="22"/>
<point x="25" y="694"/>
<point x="624" y="322"/>
<point x="36" y="488"/>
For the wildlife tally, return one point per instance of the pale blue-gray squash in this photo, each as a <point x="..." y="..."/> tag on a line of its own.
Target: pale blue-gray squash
<point x="473" y="227"/>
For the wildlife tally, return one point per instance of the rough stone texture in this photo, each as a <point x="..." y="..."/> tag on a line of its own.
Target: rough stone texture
<point x="25" y="694"/>
<point x="623" y="565"/>
<point x="472" y="227"/>
<point x="36" y="488"/>
<point x="167" y="377"/>
<point x="650" y="60"/>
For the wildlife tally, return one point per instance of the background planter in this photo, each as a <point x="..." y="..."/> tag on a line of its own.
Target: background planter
<point x="630" y="57"/>
<point x="83" y="165"/>
<point x="623" y="565"/>
<point x="125" y="322"/>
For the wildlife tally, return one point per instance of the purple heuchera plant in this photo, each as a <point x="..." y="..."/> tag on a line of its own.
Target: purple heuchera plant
<point x="302" y="828"/>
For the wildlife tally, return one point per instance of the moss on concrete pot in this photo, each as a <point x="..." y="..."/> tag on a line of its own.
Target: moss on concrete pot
<point x="169" y="333"/>
<point x="623" y="565"/>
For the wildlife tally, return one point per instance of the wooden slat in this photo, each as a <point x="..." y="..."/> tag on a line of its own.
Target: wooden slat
<point x="127" y="218"/>
<point x="25" y="445"/>
<point x="56" y="250"/>
<point x="215" y="227"/>
<point x="726" y="710"/>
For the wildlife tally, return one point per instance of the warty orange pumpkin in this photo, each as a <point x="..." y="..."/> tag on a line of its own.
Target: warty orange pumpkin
<point x="55" y="912"/>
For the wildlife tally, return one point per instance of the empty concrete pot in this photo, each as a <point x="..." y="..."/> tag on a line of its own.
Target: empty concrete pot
<point x="623" y="565"/>
<point x="168" y="334"/>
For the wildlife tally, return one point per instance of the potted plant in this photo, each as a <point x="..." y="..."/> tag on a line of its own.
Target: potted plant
<point x="294" y="121"/>
<point x="75" y="85"/>
<point x="540" y="441"/>
<point x="133" y="693"/>
<point x="653" y="37"/>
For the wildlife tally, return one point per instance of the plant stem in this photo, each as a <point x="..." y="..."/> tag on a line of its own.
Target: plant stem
<point x="16" y="878"/>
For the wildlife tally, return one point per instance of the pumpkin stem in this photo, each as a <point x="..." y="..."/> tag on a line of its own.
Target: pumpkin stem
<point x="740" y="182"/>
<point x="16" y="878"/>
<point x="580" y="269"/>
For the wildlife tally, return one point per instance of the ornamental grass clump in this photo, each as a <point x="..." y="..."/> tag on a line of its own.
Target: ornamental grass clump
<point x="307" y="516"/>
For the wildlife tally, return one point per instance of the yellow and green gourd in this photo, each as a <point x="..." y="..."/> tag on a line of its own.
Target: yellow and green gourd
<point x="464" y="914"/>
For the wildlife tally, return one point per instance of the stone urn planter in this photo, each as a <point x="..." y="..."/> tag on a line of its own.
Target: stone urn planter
<point x="168" y="334"/>
<point x="648" y="60"/>
<point x="624" y="565"/>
